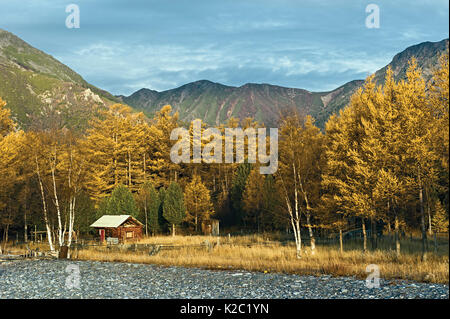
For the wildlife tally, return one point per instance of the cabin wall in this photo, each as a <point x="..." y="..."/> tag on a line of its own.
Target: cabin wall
<point x="121" y="233"/>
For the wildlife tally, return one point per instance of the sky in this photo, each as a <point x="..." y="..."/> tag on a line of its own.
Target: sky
<point x="123" y="46"/>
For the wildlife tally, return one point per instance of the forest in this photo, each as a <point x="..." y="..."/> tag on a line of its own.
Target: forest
<point x="380" y="165"/>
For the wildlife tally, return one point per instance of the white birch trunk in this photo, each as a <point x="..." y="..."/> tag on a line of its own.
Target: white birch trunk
<point x="308" y="216"/>
<point x="47" y="225"/>
<point x="58" y="210"/>
<point x="294" y="220"/>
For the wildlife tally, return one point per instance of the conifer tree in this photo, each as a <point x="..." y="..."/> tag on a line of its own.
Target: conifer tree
<point x="440" y="218"/>
<point x="438" y="97"/>
<point x="419" y="159"/>
<point x="198" y="202"/>
<point x="174" y="210"/>
<point x="237" y="189"/>
<point x="344" y="135"/>
<point x="253" y="197"/>
<point x="115" y="141"/>
<point x="122" y="202"/>
<point x="149" y="204"/>
<point x="162" y="170"/>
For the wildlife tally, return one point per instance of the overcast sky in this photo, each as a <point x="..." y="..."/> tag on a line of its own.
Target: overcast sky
<point x="122" y="46"/>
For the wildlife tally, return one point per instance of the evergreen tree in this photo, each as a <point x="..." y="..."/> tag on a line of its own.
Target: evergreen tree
<point x="122" y="202"/>
<point x="174" y="210"/>
<point x="253" y="200"/>
<point x="440" y="218"/>
<point x="237" y="189"/>
<point x="86" y="213"/>
<point x="149" y="204"/>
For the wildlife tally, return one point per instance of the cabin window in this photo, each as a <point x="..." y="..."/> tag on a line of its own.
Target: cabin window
<point x="129" y="234"/>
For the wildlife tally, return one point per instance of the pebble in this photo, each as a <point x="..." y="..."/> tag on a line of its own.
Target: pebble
<point x="38" y="279"/>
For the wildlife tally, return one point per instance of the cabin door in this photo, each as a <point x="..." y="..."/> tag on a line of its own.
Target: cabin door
<point x="102" y="235"/>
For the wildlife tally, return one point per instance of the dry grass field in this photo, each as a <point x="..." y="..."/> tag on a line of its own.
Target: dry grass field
<point x="257" y="253"/>
<point x="267" y="253"/>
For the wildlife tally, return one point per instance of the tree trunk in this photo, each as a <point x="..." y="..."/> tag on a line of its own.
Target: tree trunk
<point x="44" y="203"/>
<point x="341" y="242"/>
<point x="56" y="200"/>
<point x="145" y="206"/>
<point x="430" y="231"/>
<point x="129" y="169"/>
<point x="71" y="220"/>
<point x="364" y="235"/>
<point x="294" y="219"/>
<point x="5" y="237"/>
<point x="196" y="223"/>
<point x="435" y="243"/>
<point x="311" y="235"/>
<point x="298" y="239"/>
<point x="397" y="236"/>
<point x="372" y="234"/>
<point x="25" y="226"/>
<point x="116" y="173"/>
<point x="145" y="213"/>
<point x="146" y="218"/>
<point x="173" y="230"/>
<point x="308" y="213"/>
<point x="422" y="221"/>
<point x="6" y="230"/>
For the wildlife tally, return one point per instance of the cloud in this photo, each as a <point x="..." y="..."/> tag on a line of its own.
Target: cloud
<point x="126" y="68"/>
<point x="123" y="46"/>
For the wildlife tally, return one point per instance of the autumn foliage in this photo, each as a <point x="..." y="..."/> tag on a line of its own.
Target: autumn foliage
<point x="382" y="164"/>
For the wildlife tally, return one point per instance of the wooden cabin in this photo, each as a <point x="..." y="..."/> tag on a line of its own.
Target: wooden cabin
<point x="118" y="228"/>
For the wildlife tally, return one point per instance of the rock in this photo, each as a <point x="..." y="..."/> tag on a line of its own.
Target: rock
<point x="47" y="279"/>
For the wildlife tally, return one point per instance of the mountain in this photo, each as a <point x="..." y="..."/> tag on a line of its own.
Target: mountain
<point x="36" y="87"/>
<point x="39" y="90"/>
<point x="427" y="55"/>
<point x="214" y="103"/>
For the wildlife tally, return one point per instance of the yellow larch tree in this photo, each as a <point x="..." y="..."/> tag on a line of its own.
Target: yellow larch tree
<point x="197" y="201"/>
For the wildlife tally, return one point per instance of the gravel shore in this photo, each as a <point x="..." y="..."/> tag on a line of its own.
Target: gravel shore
<point x="58" y="279"/>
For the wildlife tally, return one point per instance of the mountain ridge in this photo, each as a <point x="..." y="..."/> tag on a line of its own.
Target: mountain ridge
<point x="37" y="86"/>
<point x="257" y="99"/>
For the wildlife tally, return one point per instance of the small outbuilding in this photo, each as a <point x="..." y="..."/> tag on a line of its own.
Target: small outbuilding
<point x="210" y="227"/>
<point x="119" y="227"/>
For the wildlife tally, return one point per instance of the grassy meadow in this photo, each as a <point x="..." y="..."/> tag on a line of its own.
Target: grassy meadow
<point x="269" y="253"/>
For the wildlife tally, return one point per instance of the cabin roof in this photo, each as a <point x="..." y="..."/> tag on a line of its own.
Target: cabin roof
<point x="112" y="221"/>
